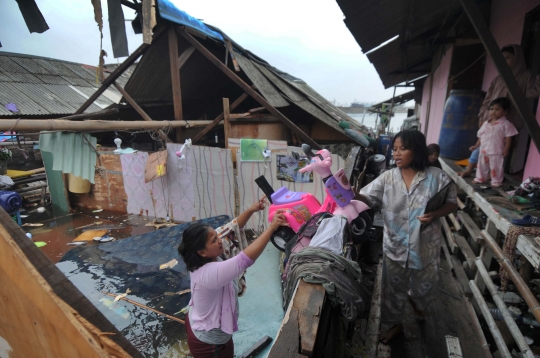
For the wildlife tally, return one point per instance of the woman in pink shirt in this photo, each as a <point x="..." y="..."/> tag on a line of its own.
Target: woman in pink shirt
<point x="494" y="138"/>
<point x="216" y="283"/>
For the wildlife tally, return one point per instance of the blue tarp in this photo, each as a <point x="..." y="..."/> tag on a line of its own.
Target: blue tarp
<point x="169" y="11"/>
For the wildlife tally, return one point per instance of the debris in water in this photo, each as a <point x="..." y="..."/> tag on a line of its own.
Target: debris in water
<point x="32" y="224"/>
<point x="169" y="264"/>
<point x="24" y="216"/>
<point x="120" y="296"/>
<point x="76" y="243"/>
<point x="106" y="239"/>
<point x="40" y="243"/>
<point x="97" y="211"/>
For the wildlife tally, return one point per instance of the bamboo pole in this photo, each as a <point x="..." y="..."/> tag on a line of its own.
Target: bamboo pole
<point x="512" y="326"/>
<point x="21" y="125"/>
<point x="146" y="307"/>
<point x="503" y="349"/>
<point x="477" y="328"/>
<point x="514" y="275"/>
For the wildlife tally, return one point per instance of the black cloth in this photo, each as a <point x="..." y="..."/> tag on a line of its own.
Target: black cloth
<point x="32" y="16"/>
<point x="341" y="278"/>
<point x="117" y="26"/>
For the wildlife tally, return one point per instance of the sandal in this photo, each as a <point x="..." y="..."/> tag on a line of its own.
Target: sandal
<point x="527" y="220"/>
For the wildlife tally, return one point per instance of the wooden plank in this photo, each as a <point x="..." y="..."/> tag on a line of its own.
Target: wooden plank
<point x="175" y="81"/>
<point x="257" y="347"/>
<point x="466" y="250"/>
<point x="89" y="235"/>
<point x="470" y="226"/>
<point x="147" y="10"/>
<point x="308" y="300"/>
<point x="452" y="244"/>
<point x="294" y="129"/>
<point x="461" y="276"/>
<point x="35" y="322"/>
<point x="226" y="122"/>
<point x="287" y="342"/>
<point x="465" y="327"/>
<point x="374" y="319"/>
<point x="185" y="56"/>
<point x="219" y="118"/>
<point x="455" y="222"/>
<point x="233" y="57"/>
<point x="453" y="347"/>
<point x="460" y="204"/>
<point x="139" y="110"/>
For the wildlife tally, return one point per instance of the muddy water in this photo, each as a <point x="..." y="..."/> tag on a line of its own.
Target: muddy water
<point x="58" y="232"/>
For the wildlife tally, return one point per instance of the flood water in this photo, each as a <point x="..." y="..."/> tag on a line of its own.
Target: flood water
<point x="102" y="267"/>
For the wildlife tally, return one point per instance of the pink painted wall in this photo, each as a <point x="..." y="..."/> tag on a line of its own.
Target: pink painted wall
<point x="506" y="24"/>
<point x="532" y="167"/>
<point x="438" y="98"/>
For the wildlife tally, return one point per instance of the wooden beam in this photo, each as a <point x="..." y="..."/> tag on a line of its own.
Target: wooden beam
<point x="374" y="319"/>
<point x="226" y="121"/>
<point x="519" y="101"/>
<point x="117" y="72"/>
<point x="452" y="244"/>
<point x="148" y="13"/>
<point x="175" y="80"/>
<point x="139" y="110"/>
<point x="185" y="56"/>
<point x="466" y="250"/>
<point x="470" y="226"/>
<point x="303" y="136"/>
<point x="219" y="118"/>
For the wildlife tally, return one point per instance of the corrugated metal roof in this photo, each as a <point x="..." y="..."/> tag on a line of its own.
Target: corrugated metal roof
<point x="418" y="24"/>
<point x="42" y="86"/>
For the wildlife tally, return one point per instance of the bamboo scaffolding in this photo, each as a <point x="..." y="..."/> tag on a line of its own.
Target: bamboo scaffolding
<point x="146" y="307"/>
<point x="21" y="125"/>
<point x="512" y="326"/>
<point x="514" y="275"/>
<point x="503" y="349"/>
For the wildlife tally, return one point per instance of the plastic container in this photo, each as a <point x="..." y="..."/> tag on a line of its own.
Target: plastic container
<point x="460" y="123"/>
<point x="10" y="201"/>
<point x="78" y="185"/>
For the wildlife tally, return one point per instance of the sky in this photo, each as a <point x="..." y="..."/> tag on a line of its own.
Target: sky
<point x="306" y="38"/>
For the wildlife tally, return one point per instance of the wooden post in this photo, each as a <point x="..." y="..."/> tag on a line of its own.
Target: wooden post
<point x="149" y="20"/>
<point x="139" y="110"/>
<point x="486" y="255"/>
<point x="226" y="121"/>
<point x="175" y="80"/>
<point x="519" y="101"/>
<point x="219" y="118"/>
<point x="303" y="136"/>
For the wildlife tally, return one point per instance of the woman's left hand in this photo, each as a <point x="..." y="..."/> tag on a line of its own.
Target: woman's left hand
<point x="426" y="218"/>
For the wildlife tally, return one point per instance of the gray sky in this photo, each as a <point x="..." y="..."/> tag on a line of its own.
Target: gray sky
<point x="306" y="38"/>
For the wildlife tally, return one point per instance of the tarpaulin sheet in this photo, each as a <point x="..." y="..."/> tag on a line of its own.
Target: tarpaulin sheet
<point x="133" y="263"/>
<point x="169" y="11"/>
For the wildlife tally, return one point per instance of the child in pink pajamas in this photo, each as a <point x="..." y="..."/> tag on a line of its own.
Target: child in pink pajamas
<point x="494" y="139"/>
